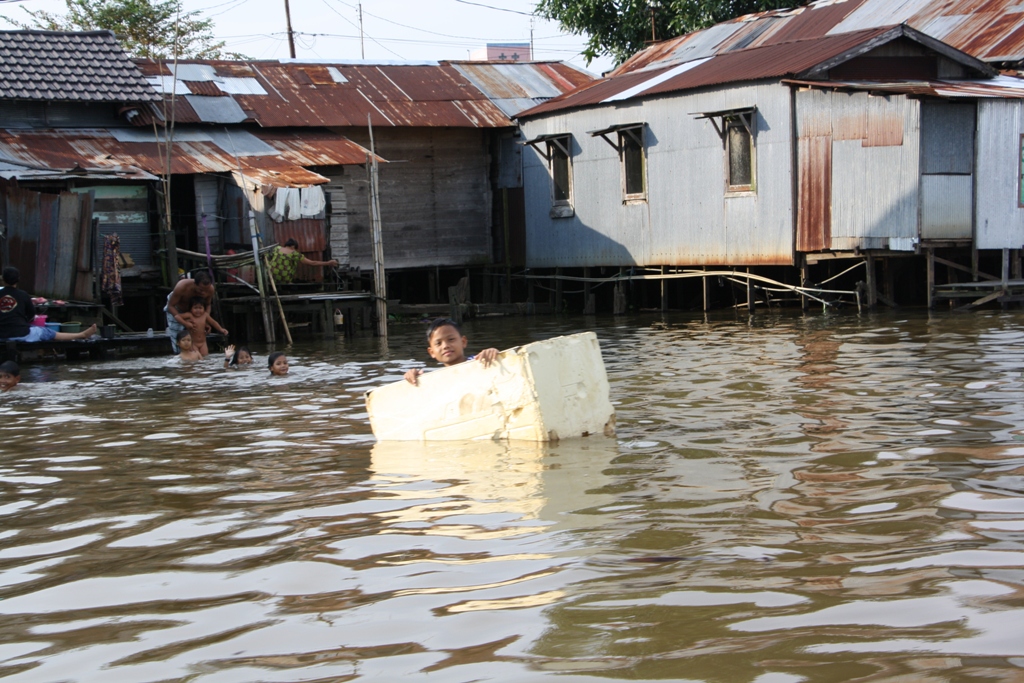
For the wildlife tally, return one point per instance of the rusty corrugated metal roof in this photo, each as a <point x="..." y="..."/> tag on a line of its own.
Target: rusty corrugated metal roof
<point x="767" y="61"/>
<point x="278" y="94"/>
<point x="738" y="50"/>
<point x="100" y="149"/>
<point x="1002" y="87"/>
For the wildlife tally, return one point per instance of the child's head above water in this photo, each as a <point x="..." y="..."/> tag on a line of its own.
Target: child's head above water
<point x="241" y="356"/>
<point x="278" y="364"/>
<point x="10" y="375"/>
<point x="184" y="340"/>
<point x="445" y="342"/>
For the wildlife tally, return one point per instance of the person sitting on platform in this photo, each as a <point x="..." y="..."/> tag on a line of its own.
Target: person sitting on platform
<point x="285" y="260"/>
<point x="179" y="301"/>
<point x="188" y="353"/>
<point x="17" y="313"/>
<point x="233" y="360"/>
<point x="10" y="375"/>
<point x="202" y="324"/>
<point x="447" y="345"/>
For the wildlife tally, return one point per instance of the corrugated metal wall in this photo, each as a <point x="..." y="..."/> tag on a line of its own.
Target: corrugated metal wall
<point x="44" y="234"/>
<point x="999" y="217"/>
<point x="688" y="219"/>
<point x="869" y="147"/>
<point x="435" y="198"/>
<point x="947" y="167"/>
<point x="207" y="190"/>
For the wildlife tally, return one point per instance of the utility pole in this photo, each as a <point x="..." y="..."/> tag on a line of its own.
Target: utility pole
<point x="532" y="56"/>
<point x="291" y="34"/>
<point x="362" y="46"/>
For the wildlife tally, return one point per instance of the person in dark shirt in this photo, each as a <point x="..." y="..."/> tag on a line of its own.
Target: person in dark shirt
<point x="17" y="314"/>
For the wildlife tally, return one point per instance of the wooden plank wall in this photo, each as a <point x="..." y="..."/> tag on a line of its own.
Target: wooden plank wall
<point x="435" y="198"/>
<point x="337" y="215"/>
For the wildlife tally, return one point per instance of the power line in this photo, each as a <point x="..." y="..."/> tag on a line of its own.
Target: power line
<point x="499" y="9"/>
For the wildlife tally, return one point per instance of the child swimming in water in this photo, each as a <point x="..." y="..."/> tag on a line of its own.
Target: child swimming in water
<point x="234" y="360"/>
<point x="278" y="364"/>
<point x="10" y="375"/>
<point x="189" y="353"/>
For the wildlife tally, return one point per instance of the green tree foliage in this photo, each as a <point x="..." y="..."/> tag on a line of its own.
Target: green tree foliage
<point x="145" y="28"/>
<point x="620" y="28"/>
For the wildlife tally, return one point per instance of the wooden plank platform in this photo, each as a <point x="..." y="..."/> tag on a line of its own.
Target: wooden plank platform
<point x="96" y="348"/>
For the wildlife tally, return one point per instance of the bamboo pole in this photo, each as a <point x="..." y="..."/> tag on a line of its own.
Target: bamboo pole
<point x="379" y="275"/>
<point x="277" y="297"/>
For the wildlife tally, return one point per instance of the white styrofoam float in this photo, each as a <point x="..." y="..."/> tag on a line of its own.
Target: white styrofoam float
<point x="544" y="391"/>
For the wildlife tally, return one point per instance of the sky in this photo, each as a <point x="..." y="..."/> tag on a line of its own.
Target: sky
<point x="393" y="30"/>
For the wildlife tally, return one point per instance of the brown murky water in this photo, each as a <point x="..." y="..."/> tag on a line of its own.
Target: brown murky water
<point x="822" y="498"/>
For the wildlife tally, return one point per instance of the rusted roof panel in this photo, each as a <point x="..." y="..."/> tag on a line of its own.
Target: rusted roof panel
<point x="785" y="42"/>
<point x="770" y="61"/>
<point x="99" y="149"/>
<point x="1002" y="87"/>
<point x="338" y="95"/>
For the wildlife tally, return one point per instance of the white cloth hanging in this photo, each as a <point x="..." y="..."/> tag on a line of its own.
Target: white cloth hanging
<point x="287" y="203"/>
<point x="312" y="200"/>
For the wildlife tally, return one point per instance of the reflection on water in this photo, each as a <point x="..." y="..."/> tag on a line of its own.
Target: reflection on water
<point x="788" y="499"/>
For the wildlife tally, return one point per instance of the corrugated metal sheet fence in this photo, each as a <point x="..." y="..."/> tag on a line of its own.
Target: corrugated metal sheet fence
<point x="44" y="235"/>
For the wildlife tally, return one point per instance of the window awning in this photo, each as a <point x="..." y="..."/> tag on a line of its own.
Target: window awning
<point x="717" y="118"/>
<point x="539" y="143"/>
<point x="633" y="130"/>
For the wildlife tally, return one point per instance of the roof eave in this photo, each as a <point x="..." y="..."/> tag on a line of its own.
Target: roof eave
<point x="901" y="31"/>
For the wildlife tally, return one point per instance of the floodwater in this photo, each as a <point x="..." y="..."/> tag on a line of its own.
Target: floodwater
<point x="789" y="498"/>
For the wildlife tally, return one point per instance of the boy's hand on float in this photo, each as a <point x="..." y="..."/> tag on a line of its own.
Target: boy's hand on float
<point x="411" y="376"/>
<point x="487" y="356"/>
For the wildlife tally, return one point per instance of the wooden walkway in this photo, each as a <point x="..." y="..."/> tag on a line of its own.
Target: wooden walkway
<point x="96" y="348"/>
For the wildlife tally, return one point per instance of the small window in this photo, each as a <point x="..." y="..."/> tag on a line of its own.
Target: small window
<point x="628" y="141"/>
<point x="740" y="150"/>
<point x="631" y="150"/>
<point x="560" y="165"/>
<point x="736" y="128"/>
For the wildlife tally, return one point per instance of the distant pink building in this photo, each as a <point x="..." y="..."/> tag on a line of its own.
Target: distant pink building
<point x="503" y="52"/>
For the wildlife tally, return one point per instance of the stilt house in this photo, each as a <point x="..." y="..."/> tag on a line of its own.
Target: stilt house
<point x="847" y="129"/>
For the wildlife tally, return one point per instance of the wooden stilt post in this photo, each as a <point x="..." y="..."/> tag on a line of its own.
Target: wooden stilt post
<point x="558" y="290"/>
<point x="664" y="293"/>
<point x="380" y="284"/>
<point x="750" y="293"/>
<point x="707" y="291"/>
<point x="589" y="304"/>
<point x="930" y="256"/>
<point x="805" y="279"/>
<point x="872" y="279"/>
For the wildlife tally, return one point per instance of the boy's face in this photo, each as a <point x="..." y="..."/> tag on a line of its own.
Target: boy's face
<point x="198" y="310"/>
<point x="244" y="358"/>
<point x="7" y="381"/>
<point x="185" y="343"/>
<point x="447" y="346"/>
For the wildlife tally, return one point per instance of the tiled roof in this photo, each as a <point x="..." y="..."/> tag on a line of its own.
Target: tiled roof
<point x="69" y="67"/>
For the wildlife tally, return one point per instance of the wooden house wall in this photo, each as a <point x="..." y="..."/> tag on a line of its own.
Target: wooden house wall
<point x="435" y="198"/>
